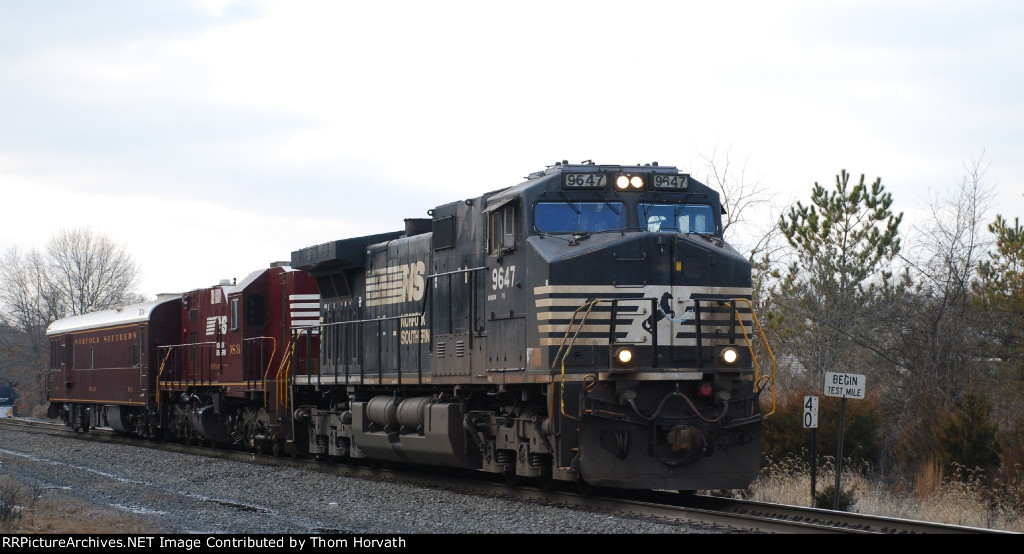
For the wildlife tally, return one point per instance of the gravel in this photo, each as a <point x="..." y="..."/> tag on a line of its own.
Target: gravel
<point x="182" y="494"/>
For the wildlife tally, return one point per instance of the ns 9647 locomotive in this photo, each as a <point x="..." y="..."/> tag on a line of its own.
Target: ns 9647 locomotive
<point x="589" y="324"/>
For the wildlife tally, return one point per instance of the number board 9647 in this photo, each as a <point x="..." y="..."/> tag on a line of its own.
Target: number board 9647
<point x="679" y="182"/>
<point x="586" y="180"/>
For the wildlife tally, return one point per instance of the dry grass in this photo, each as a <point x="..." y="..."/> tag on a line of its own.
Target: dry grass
<point x="29" y="509"/>
<point x="959" y="500"/>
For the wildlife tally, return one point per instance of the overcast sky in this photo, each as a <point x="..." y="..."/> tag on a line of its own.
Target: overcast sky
<point x="214" y="137"/>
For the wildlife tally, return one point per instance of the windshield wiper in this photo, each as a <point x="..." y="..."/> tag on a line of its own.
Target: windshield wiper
<point x="569" y="202"/>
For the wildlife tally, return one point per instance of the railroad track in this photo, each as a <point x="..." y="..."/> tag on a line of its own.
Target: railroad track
<point x="722" y="514"/>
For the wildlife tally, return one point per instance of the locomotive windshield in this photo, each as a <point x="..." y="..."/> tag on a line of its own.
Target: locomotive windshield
<point x="579" y="217"/>
<point x="679" y="218"/>
<point x="594" y="217"/>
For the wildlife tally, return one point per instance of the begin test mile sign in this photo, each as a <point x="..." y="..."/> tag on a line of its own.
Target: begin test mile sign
<point x="845" y="385"/>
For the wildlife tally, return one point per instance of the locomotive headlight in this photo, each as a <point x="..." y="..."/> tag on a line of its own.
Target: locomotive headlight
<point x="624" y="182"/>
<point x="729" y="355"/>
<point x="624" y="356"/>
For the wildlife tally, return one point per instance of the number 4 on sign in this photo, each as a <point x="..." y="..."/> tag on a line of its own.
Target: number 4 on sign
<point x="810" y="412"/>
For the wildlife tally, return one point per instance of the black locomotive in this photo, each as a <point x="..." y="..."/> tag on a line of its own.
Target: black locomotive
<point x="589" y="324"/>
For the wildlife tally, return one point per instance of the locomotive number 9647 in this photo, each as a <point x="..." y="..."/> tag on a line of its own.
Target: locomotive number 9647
<point x="502" y="277"/>
<point x="586" y="180"/>
<point x="681" y="182"/>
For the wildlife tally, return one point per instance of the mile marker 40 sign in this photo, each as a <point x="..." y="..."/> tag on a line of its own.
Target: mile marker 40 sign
<point x="810" y="412"/>
<point x="845" y="385"/>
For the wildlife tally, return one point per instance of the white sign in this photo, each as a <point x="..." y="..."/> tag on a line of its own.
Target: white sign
<point x="845" y="385"/>
<point x="810" y="412"/>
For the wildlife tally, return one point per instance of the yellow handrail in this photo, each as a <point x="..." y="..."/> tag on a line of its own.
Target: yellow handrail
<point x="270" y="364"/>
<point x="160" y="374"/>
<point x="759" y="381"/>
<point x="284" y="370"/>
<point x="589" y="306"/>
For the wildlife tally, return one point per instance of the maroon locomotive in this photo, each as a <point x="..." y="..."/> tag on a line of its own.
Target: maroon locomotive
<point x="210" y="364"/>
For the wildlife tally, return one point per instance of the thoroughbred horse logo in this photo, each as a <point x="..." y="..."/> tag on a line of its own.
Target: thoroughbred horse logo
<point x="665" y="311"/>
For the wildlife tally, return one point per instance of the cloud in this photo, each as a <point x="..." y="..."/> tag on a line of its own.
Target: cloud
<point x="265" y="127"/>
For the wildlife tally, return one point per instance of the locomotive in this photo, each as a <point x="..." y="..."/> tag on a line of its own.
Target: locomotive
<point x="589" y="325"/>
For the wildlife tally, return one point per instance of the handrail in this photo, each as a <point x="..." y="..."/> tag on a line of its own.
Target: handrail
<point x="759" y="382"/>
<point x="589" y="305"/>
<point x="160" y="372"/>
<point x="284" y="369"/>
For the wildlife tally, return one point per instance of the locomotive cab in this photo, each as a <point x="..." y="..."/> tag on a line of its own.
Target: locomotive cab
<point x="629" y="254"/>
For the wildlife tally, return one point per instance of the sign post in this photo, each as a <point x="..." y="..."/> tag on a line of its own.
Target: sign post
<point x="843" y="385"/>
<point x="811" y="422"/>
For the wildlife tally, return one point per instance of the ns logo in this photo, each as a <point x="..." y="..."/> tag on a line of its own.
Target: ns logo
<point x="395" y="284"/>
<point x="412" y="281"/>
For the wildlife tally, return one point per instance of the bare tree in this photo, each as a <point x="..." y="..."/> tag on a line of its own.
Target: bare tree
<point x="948" y="248"/>
<point x="80" y="272"/>
<point x="929" y="334"/>
<point x="751" y="222"/>
<point x="89" y="272"/>
<point x="23" y="297"/>
<point x="740" y="194"/>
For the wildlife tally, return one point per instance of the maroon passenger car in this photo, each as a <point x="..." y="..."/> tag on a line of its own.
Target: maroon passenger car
<point x="103" y="364"/>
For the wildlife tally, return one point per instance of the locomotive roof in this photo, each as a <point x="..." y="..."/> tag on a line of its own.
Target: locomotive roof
<point x="589" y="166"/>
<point x="252" y="276"/>
<point x="495" y="199"/>
<point x="230" y="287"/>
<point x="123" y="315"/>
<point x="338" y="254"/>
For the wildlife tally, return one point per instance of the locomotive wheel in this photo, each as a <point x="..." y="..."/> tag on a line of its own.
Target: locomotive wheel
<point x="583" y="487"/>
<point x="276" y="449"/>
<point x="509" y="473"/>
<point x="546" y="479"/>
<point x="84" y="421"/>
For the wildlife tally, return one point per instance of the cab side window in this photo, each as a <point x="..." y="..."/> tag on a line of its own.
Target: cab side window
<point x="501" y="235"/>
<point x="234" y="314"/>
